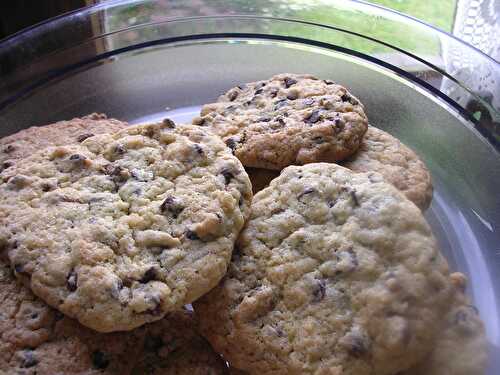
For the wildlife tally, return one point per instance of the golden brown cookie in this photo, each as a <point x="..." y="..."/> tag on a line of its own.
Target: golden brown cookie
<point x="122" y="228"/>
<point x="287" y="119"/>
<point x="336" y="272"/>
<point x="28" y="141"/>
<point x="461" y="348"/>
<point x="38" y="340"/>
<point x="381" y="152"/>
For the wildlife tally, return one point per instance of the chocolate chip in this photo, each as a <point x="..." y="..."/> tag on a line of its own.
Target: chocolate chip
<point x="5" y="165"/>
<point x="345" y="97"/>
<point x="99" y="360"/>
<point x="281" y="121"/>
<point x="306" y="192"/>
<point x="273" y="93"/>
<point x="289" y="82"/>
<point x="292" y="95"/>
<point x="231" y="95"/>
<point x="191" y="235"/>
<point x="72" y="280"/>
<point x="77" y="157"/>
<point x="83" y="137"/>
<point x="150" y="275"/>
<point x="358" y="346"/>
<point x="153" y="343"/>
<point x="19" y="268"/>
<point x="168" y="123"/>
<point x="119" y="149"/>
<point x="280" y="104"/>
<point x="259" y="85"/>
<point x="319" y="291"/>
<point x="228" y="175"/>
<point x="241" y="87"/>
<point x="313" y="117"/>
<point x="172" y="206"/>
<point x="259" y="91"/>
<point x="47" y="187"/>
<point x="328" y="82"/>
<point x="198" y="149"/>
<point x="354" y="197"/>
<point x="264" y="119"/>
<point x="9" y="149"/>
<point x="231" y="143"/>
<point x="29" y="359"/>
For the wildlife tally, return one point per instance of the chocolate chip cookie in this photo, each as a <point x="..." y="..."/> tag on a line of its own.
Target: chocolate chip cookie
<point x="31" y="140"/>
<point x="461" y="348"/>
<point x="36" y="339"/>
<point x="335" y="273"/>
<point x="287" y="119"/>
<point x="381" y="152"/>
<point x="122" y="228"/>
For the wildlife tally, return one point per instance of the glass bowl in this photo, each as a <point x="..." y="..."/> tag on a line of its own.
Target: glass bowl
<point x="144" y="60"/>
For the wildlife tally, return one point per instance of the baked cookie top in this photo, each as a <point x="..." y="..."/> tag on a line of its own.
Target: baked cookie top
<point x="463" y="333"/>
<point x="124" y="227"/>
<point x="28" y="141"/>
<point x="287" y="119"/>
<point x="335" y="273"/>
<point x="398" y="164"/>
<point x="37" y="339"/>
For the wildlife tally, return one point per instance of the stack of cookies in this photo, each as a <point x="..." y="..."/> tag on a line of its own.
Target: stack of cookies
<point x="108" y="231"/>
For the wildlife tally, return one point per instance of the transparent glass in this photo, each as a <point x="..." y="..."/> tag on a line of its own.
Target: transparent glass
<point x="142" y="60"/>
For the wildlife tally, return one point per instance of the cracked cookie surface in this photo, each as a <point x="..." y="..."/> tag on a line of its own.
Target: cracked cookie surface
<point x="335" y="273"/>
<point x="28" y="141"/>
<point x="124" y="227"/>
<point x="398" y="164"/>
<point x="287" y="119"/>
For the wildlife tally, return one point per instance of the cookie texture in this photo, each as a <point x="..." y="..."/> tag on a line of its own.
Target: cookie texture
<point x="174" y="347"/>
<point x="125" y="227"/>
<point x="461" y="348"/>
<point x="381" y="152"/>
<point x="260" y="178"/>
<point x="37" y="339"/>
<point x="28" y="141"/>
<point x="335" y="273"/>
<point x="287" y="119"/>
